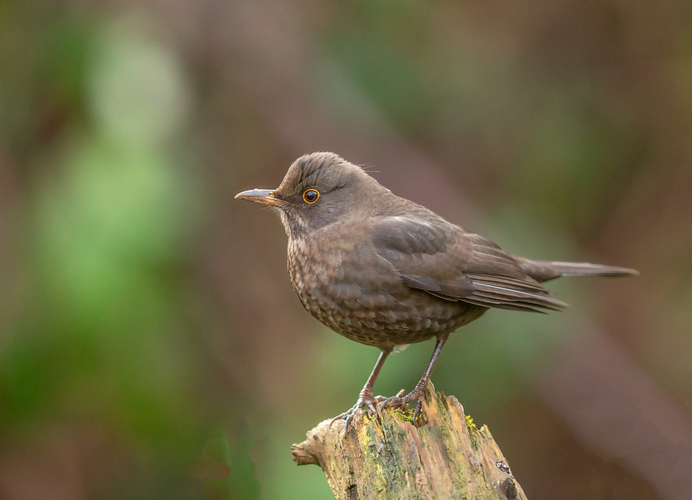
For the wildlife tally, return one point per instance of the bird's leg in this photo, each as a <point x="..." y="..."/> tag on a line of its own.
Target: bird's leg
<point x="365" y="398"/>
<point x="418" y="393"/>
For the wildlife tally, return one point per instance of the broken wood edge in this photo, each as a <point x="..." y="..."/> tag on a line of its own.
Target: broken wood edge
<point x="447" y="457"/>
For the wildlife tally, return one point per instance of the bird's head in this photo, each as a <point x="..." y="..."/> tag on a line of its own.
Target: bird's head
<point x="318" y="189"/>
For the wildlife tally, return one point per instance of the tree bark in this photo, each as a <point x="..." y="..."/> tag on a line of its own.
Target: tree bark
<point x="386" y="456"/>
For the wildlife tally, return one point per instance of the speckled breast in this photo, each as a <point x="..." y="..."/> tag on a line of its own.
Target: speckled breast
<point x="346" y="285"/>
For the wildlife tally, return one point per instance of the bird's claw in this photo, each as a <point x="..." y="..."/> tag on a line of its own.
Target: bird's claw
<point x="366" y="401"/>
<point x="399" y="401"/>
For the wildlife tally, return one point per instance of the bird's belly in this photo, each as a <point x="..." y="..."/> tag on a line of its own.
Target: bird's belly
<point x="382" y="320"/>
<point x="362" y="298"/>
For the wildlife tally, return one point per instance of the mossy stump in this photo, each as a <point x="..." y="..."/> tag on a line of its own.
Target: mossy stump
<point x="386" y="456"/>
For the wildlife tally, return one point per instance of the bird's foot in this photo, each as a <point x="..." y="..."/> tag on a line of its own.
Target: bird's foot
<point x="398" y="401"/>
<point x="366" y="401"/>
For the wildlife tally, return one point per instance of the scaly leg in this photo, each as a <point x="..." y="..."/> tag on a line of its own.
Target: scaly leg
<point x="419" y="392"/>
<point x="366" y="398"/>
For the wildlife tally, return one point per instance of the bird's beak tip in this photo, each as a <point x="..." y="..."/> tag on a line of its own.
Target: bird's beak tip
<point x="263" y="196"/>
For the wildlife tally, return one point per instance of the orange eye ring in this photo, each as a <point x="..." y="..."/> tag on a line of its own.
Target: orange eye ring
<point x="310" y="196"/>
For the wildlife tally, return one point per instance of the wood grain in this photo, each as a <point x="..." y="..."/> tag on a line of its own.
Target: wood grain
<point x="386" y="456"/>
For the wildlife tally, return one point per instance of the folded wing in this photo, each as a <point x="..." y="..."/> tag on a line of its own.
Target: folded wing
<point x="444" y="260"/>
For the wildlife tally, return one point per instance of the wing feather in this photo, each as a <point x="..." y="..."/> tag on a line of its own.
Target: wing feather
<point x="447" y="262"/>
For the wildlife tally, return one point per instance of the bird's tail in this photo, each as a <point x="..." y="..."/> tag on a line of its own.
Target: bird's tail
<point x="543" y="270"/>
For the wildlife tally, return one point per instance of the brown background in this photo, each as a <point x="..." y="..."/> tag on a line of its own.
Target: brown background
<point x="149" y="334"/>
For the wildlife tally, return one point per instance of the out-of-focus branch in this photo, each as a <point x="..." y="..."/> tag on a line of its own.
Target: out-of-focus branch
<point x="613" y="407"/>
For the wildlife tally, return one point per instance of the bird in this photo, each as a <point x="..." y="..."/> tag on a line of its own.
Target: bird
<point x="387" y="272"/>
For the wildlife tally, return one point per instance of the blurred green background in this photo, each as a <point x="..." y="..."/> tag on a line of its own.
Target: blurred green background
<point x="150" y="343"/>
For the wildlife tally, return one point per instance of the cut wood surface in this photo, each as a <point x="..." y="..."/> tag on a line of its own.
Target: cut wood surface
<point x="386" y="456"/>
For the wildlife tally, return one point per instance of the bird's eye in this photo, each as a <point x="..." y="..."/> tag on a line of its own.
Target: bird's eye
<point x="311" y="196"/>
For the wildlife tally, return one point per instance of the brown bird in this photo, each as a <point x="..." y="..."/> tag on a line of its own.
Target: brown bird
<point x="384" y="271"/>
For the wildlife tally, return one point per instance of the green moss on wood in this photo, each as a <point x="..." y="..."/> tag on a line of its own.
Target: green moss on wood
<point x="386" y="454"/>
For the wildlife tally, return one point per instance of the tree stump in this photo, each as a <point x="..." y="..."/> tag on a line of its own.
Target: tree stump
<point x="386" y="456"/>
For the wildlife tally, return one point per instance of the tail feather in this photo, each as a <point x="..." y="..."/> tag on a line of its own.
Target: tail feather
<point x="543" y="270"/>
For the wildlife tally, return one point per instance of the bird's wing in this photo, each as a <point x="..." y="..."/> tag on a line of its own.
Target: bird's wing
<point x="449" y="263"/>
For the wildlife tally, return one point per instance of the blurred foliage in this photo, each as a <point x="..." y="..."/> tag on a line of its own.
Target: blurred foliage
<point x="151" y="346"/>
